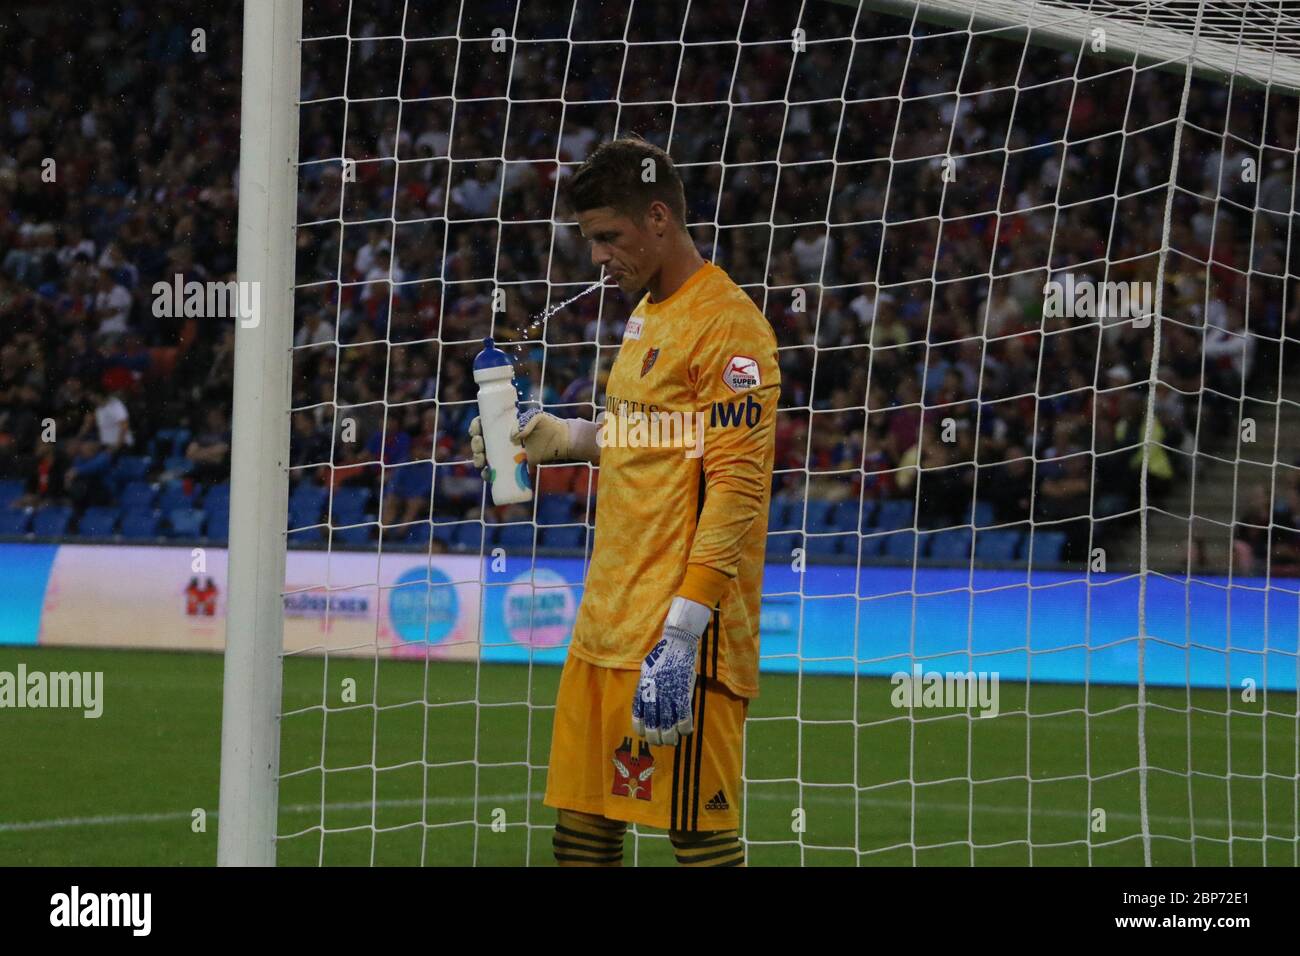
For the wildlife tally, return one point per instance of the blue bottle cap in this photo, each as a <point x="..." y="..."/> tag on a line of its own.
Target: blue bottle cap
<point x="491" y="356"/>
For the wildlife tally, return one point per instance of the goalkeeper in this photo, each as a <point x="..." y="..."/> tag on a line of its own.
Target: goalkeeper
<point x="649" y="719"/>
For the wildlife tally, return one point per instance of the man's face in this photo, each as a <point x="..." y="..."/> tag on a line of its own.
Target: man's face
<point x="627" y="250"/>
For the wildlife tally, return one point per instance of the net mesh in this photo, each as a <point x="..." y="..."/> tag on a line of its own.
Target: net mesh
<point x="1031" y="286"/>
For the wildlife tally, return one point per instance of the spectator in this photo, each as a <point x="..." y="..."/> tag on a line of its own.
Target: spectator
<point x="477" y="197"/>
<point x="86" y="479"/>
<point x="308" y="444"/>
<point x="209" y="450"/>
<point x="1250" y="534"/>
<point x="315" y="330"/>
<point x="112" y="304"/>
<point x="1008" y="486"/>
<point x="112" y="421"/>
<point x="916" y="320"/>
<point x="1063" y="501"/>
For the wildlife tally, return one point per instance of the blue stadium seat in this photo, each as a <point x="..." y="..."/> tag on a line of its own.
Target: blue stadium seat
<point x="215" y="504"/>
<point x="951" y="545"/>
<point x="515" y="537"/>
<point x="350" y="503"/>
<point x="300" y="517"/>
<point x="469" y="536"/>
<point x="217" y="497"/>
<point x="138" y="496"/>
<point x="569" y="536"/>
<point x="555" y="509"/>
<point x="411" y="480"/>
<point x="129" y="468"/>
<point x="901" y="545"/>
<point x="446" y="533"/>
<point x="98" y="522"/>
<point x="139" y="525"/>
<point x="1000" y="545"/>
<point x="828" y="543"/>
<point x="893" y="514"/>
<point x="15" y="520"/>
<point x="871" y="545"/>
<point x="10" y="490"/>
<point x="1047" y="548"/>
<point x="780" y="545"/>
<point x="178" y="465"/>
<point x="848" y="516"/>
<point x="417" y="533"/>
<point x="51" y="521"/>
<point x="219" y="524"/>
<point x="781" y="516"/>
<point x="817" y="515"/>
<point x="186" y="522"/>
<point x="355" y="535"/>
<point x="984" y="515"/>
<point x="314" y="535"/>
<point x="173" y="495"/>
<point x="309" y="500"/>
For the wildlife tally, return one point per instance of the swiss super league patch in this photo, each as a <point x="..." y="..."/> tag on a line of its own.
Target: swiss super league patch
<point x="741" y="373"/>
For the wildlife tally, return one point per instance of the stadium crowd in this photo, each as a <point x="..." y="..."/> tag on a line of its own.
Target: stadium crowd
<point x="900" y="249"/>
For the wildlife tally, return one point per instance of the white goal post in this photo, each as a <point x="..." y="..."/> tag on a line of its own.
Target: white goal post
<point x="268" y="182"/>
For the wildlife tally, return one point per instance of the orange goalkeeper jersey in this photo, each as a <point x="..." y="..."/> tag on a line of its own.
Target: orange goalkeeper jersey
<point x="685" y="479"/>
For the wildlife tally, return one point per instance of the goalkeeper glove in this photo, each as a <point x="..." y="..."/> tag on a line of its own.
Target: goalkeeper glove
<point x="545" y="437"/>
<point x="661" y="710"/>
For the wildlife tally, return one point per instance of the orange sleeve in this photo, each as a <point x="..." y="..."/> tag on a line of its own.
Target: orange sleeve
<point x="737" y="384"/>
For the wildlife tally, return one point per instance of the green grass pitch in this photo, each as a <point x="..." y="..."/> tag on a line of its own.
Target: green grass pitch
<point x="880" y="786"/>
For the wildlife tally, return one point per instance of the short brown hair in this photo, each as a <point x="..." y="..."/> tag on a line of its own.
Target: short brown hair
<point x="611" y="176"/>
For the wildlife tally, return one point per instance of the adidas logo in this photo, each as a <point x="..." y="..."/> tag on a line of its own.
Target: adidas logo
<point x="719" y="802"/>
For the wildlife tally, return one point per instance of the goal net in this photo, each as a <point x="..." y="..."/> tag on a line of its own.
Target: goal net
<point x="1033" y="546"/>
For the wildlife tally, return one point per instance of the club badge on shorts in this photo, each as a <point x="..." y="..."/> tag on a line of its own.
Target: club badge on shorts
<point x="632" y="774"/>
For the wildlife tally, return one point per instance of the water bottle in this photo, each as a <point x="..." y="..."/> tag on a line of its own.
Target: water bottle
<point x="498" y="410"/>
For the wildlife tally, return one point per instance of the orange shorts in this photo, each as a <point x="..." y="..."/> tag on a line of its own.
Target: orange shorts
<point x="599" y="766"/>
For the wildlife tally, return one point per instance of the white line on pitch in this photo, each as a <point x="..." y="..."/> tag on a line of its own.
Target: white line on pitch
<point x="315" y="808"/>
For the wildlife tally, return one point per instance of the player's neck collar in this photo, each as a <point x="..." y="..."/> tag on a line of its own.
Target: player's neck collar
<point x="692" y="279"/>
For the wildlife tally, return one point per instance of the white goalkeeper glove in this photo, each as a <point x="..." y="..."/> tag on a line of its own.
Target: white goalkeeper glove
<point x="544" y="437"/>
<point x="661" y="710"/>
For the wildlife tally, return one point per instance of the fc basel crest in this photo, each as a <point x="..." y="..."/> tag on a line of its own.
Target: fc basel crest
<point x="632" y="774"/>
<point x="648" y="362"/>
